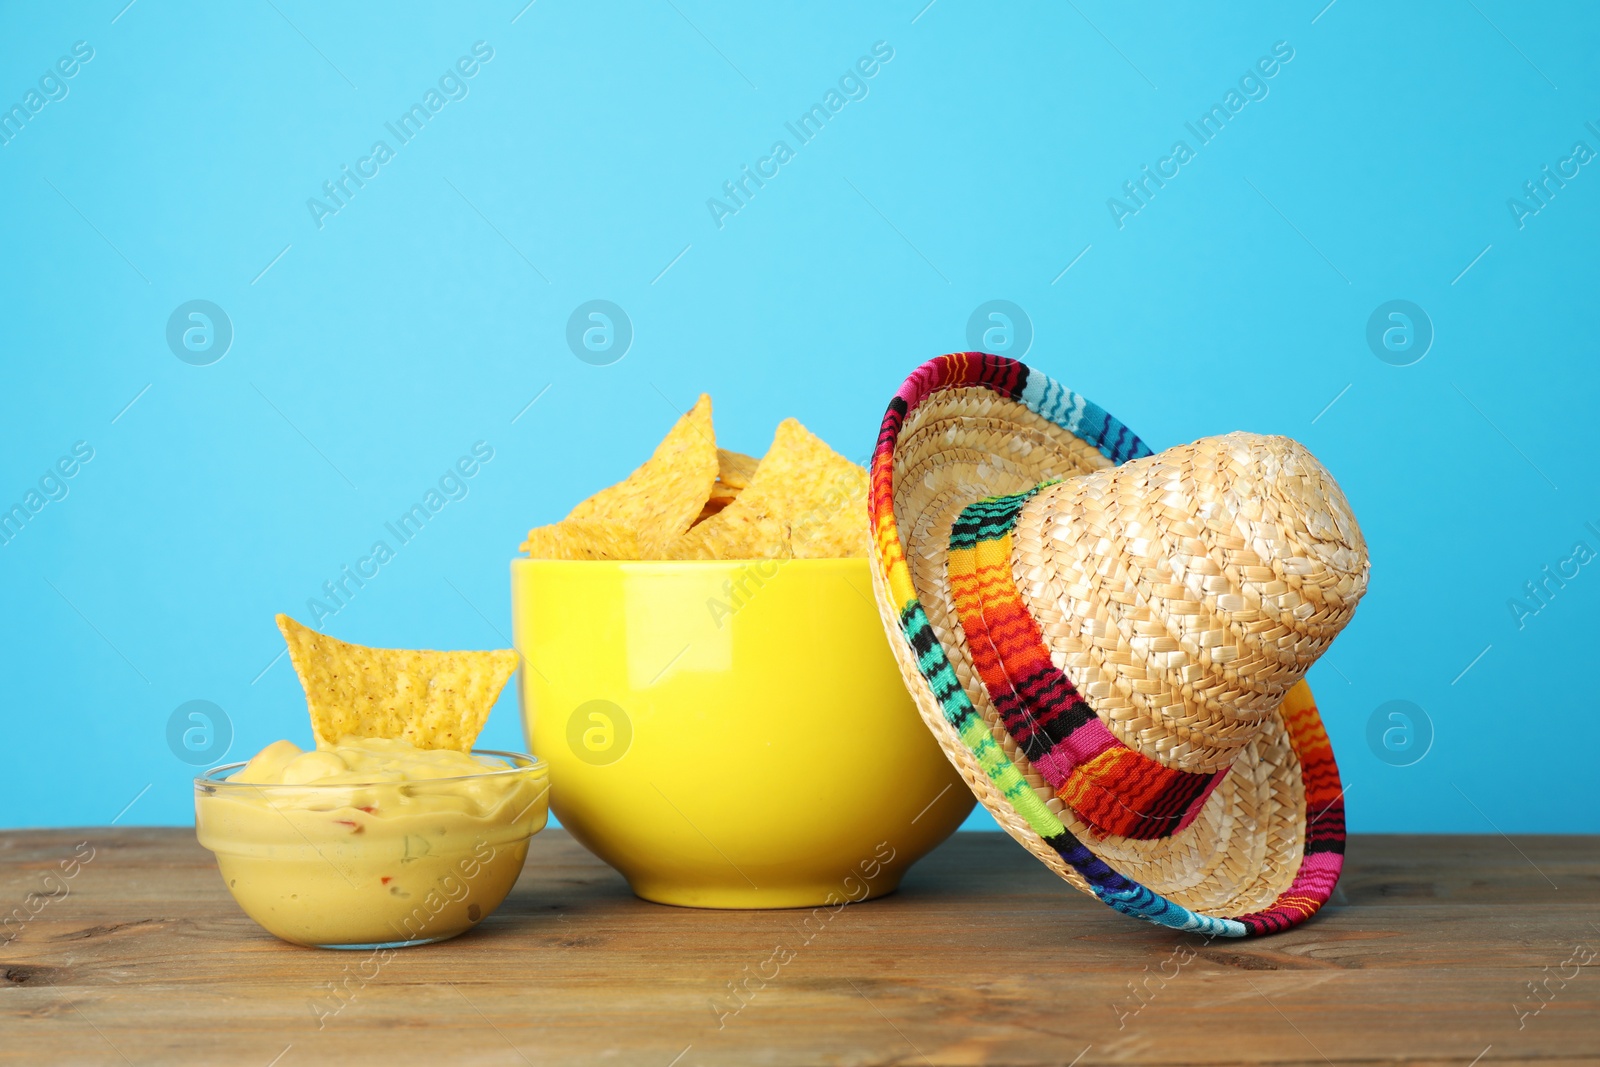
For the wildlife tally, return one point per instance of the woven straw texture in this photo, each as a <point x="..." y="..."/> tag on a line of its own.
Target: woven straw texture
<point x="1183" y="595"/>
<point x="957" y="446"/>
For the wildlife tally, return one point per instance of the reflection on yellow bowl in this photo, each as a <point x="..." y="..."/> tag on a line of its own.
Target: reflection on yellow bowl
<point x="729" y="734"/>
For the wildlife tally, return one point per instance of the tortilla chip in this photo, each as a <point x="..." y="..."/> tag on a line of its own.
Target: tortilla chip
<point x="805" y="501"/>
<point x="582" y="539"/>
<point x="721" y="497"/>
<point x="431" y="699"/>
<point x="735" y="469"/>
<point x="662" y="499"/>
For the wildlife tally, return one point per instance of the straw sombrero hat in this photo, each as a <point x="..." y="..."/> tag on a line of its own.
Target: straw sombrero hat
<point x="1110" y="645"/>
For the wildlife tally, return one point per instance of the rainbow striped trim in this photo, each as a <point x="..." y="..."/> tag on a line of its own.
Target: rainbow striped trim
<point x="1324" y="847"/>
<point x="1113" y="788"/>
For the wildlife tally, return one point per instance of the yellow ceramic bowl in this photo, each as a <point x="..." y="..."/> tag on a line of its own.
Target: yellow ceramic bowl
<point x="729" y="734"/>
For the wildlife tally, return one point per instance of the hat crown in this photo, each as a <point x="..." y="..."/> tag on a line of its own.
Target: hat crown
<point x="1183" y="594"/>
<point x="970" y="442"/>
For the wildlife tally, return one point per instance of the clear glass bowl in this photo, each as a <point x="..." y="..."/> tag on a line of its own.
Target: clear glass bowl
<point x="377" y="865"/>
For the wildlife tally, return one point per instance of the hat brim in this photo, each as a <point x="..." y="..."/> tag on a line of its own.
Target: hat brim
<point x="1267" y="847"/>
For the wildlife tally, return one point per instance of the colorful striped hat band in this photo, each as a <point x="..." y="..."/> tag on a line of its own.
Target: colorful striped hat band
<point x="1114" y="788"/>
<point x="1110" y="645"/>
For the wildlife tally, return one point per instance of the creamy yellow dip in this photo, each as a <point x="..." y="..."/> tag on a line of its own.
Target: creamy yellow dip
<point x="370" y="841"/>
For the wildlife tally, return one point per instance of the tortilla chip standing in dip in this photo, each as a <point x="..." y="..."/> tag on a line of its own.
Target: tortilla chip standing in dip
<point x="391" y="831"/>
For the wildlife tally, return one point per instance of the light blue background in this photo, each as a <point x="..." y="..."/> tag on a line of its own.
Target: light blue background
<point x="427" y="313"/>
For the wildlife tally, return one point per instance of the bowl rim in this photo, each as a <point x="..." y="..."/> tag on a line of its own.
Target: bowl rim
<point x="695" y="564"/>
<point x="216" y="780"/>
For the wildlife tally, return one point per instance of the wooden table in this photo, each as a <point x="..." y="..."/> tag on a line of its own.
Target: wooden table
<point x="1437" y="950"/>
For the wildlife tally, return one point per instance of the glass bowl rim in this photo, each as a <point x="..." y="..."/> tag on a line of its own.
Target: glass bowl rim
<point x="211" y="780"/>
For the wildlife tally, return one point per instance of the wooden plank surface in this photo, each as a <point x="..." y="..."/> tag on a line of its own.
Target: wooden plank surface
<point x="1436" y="950"/>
